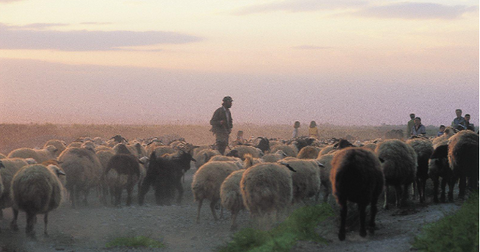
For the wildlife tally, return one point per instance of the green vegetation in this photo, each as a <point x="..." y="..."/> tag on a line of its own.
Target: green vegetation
<point x="454" y="233"/>
<point x="135" y="242"/>
<point x="300" y="225"/>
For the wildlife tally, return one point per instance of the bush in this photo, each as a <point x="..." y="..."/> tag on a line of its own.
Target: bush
<point x="457" y="232"/>
<point x="135" y="242"/>
<point x="300" y="225"/>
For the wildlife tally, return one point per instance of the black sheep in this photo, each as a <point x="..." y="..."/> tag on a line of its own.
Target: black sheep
<point x="123" y="172"/>
<point x="356" y="176"/>
<point x="438" y="167"/>
<point x="463" y="159"/>
<point x="164" y="174"/>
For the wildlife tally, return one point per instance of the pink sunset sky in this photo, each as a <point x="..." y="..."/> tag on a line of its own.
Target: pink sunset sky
<point x="150" y="62"/>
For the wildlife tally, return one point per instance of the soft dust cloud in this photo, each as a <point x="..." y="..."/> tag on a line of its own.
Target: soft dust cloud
<point x="34" y="91"/>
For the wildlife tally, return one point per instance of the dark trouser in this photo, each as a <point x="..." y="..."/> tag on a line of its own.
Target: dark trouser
<point x="221" y="142"/>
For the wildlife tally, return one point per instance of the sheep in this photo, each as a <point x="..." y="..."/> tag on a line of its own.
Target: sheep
<point x="424" y="149"/>
<point x="36" y="189"/>
<point x="204" y="156"/>
<point x="356" y="176"/>
<point x="12" y="165"/>
<point x="266" y="188"/>
<point x="83" y="169"/>
<point x="164" y="174"/>
<point x="463" y="159"/>
<point x="75" y="144"/>
<point x="39" y="155"/>
<point x="399" y="164"/>
<point x="443" y="139"/>
<point x="123" y="172"/>
<point x="207" y="181"/>
<point x="306" y="179"/>
<point x="2" y="188"/>
<point x="274" y="157"/>
<point x="59" y="144"/>
<point x="104" y="156"/>
<point x="2" y="156"/>
<point x="162" y="150"/>
<point x="289" y="150"/>
<point x="242" y="150"/>
<point x="438" y="167"/>
<point x="326" y="160"/>
<point x="327" y="149"/>
<point x="231" y="198"/>
<point x="308" y="152"/>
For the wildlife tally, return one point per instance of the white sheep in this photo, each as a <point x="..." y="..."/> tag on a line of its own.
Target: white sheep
<point x="274" y="157"/>
<point x="83" y="169"/>
<point x="230" y="195"/>
<point x="308" y="152"/>
<point x="207" y="181"/>
<point x="326" y="160"/>
<point x="243" y="149"/>
<point x="266" y="188"/>
<point x="204" y="156"/>
<point x="424" y="149"/>
<point x="59" y="144"/>
<point x="289" y="150"/>
<point x="36" y="189"/>
<point x="306" y="179"/>
<point x="12" y="166"/>
<point x="39" y="155"/>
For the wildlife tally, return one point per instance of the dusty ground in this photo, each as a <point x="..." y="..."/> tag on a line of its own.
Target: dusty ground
<point x="90" y="228"/>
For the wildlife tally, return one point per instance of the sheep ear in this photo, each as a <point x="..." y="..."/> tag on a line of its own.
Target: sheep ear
<point x="320" y="164"/>
<point x="290" y="168"/>
<point x="59" y="172"/>
<point x="193" y="159"/>
<point x="1" y="165"/>
<point x="381" y="160"/>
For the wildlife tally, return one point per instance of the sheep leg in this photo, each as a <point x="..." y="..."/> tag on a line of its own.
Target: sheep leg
<point x="212" y="208"/>
<point x="462" y="184"/>
<point x="442" y="194"/>
<point x="398" y="195"/>
<point x="198" y="210"/>
<point x="118" y="195"/>
<point x="373" y="213"/>
<point x="451" y="184"/>
<point x="30" y="224"/>
<point x="129" y="195"/>
<point x="45" y="221"/>
<point x="385" y="194"/>
<point x="435" y="189"/>
<point x="343" y="218"/>
<point x="179" y="187"/>
<point x="13" y="224"/>
<point x="361" y="209"/>
<point x="405" y="194"/>
<point x="326" y="193"/>
<point x="87" y="192"/>
<point x="234" y="218"/>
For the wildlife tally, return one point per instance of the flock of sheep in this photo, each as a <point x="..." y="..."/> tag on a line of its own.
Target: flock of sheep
<point x="265" y="176"/>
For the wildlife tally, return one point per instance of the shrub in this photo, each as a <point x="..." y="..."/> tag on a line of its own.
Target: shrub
<point x="135" y="242"/>
<point x="456" y="232"/>
<point x="300" y="225"/>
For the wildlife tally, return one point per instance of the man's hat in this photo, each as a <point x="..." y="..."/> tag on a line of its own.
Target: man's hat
<point x="227" y="98"/>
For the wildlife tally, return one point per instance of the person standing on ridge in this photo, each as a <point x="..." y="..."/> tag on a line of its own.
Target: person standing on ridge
<point x="222" y="124"/>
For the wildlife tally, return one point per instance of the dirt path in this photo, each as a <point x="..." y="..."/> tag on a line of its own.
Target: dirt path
<point x="90" y="228"/>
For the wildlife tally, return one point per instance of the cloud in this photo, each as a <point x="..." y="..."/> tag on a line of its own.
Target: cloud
<point x="95" y="23"/>
<point x="299" y="6"/>
<point x="311" y="47"/>
<point x="38" y="26"/>
<point x="15" y="37"/>
<point x="409" y="10"/>
<point x="9" y="1"/>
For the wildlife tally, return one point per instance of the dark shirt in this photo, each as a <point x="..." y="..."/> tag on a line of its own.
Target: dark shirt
<point x="459" y="123"/>
<point x="221" y="114"/>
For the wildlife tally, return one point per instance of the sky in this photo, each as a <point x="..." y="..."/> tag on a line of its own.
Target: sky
<point x="341" y="62"/>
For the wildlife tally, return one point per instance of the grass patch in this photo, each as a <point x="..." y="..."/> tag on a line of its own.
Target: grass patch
<point x="457" y="232"/>
<point x="135" y="242"/>
<point x="300" y="225"/>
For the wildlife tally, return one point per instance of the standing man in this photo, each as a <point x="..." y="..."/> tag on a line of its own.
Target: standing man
<point x="459" y="122"/>
<point x="410" y="125"/>
<point x="222" y="124"/>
